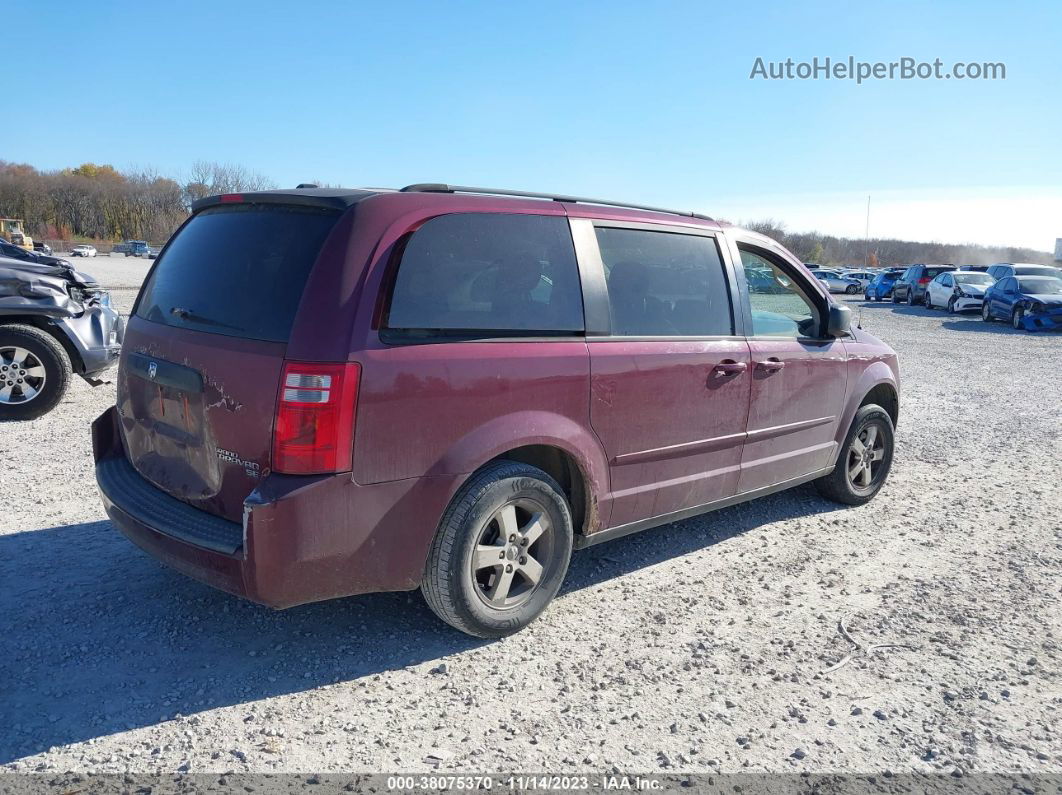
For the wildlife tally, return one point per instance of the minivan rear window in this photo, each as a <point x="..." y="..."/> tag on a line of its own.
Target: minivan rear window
<point x="488" y="272"/>
<point x="237" y="270"/>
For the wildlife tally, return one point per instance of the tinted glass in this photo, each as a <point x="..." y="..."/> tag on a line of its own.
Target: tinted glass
<point x="664" y="284"/>
<point x="238" y="270"/>
<point x="488" y="272"/>
<point x="931" y="272"/>
<point x="1043" y="271"/>
<point x="1041" y="285"/>
<point x="779" y="307"/>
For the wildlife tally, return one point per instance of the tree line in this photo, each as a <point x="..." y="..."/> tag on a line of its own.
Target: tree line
<point x="101" y="203"/>
<point x="814" y="247"/>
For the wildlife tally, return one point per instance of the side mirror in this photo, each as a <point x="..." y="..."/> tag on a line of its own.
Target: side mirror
<point x="839" y="321"/>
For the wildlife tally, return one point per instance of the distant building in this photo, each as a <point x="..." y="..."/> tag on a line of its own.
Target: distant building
<point x="1058" y="249"/>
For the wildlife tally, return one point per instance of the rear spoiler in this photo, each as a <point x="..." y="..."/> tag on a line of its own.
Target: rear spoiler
<point x="318" y="197"/>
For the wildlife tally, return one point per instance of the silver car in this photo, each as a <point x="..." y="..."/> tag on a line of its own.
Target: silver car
<point x="838" y="283"/>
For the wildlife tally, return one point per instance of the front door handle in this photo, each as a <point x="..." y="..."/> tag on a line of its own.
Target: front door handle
<point x="771" y="365"/>
<point x="730" y="368"/>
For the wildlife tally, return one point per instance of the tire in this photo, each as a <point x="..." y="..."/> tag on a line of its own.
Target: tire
<point x="33" y="345"/>
<point x="911" y="298"/>
<point x="928" y="302"/>
<point x="840" y="485"/>
<point x="986" y="312"/>
<point x="867" y="296"/>
<point x="951" y="306"/>
<point x="895" y="297"/>
<point x="852" y="289"/>
<point x="460" y="594"/>
<point x="1016" y="318"/>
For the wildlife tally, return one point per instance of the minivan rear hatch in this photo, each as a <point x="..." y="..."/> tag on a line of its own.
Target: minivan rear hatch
<point x="205" y="348"/>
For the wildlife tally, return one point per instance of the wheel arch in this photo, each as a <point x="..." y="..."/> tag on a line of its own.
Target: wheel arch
<point x="44" y="324"/>
<point x="555" y="444"/>
<point x="877" y="384"/>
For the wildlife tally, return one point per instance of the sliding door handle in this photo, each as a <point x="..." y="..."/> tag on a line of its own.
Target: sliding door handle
<point x="730" y="368"/>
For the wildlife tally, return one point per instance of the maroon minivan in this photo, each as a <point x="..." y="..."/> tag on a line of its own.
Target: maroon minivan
<point x="332" y="392"/>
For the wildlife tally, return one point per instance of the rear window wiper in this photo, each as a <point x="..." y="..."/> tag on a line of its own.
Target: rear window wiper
<point x="188" y="314"/>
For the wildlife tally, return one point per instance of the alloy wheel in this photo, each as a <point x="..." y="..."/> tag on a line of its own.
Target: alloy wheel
<point x="986" y="313"/>
<point x="1018" y="318"/>
<point x="865" y="455"/>
<point x="506" y="567"/>
<point x="22" y="375"/>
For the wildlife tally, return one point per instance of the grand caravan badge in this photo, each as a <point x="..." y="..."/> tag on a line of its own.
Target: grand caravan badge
<point x="252" y="469"/>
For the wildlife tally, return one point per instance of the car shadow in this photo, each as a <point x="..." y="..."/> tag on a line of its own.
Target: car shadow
<point x="100" y="638"/>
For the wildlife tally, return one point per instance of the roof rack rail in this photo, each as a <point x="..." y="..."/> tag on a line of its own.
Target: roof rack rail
<point x="438" y="187"/>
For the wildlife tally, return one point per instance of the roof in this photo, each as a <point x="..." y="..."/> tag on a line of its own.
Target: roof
<point x="342" y="198"/>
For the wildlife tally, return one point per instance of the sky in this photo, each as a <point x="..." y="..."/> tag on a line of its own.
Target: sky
<point x="644" y="102"/>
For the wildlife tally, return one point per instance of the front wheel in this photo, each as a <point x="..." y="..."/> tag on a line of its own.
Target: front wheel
<point x="864" y="460"/>
<point x="951" y="305"/>
<point x="986" y="313"/>
<point x="867" y="296"/>
<point x="34" y="372"/>
<point x="1017" y="318"/>
<point x="852" y="289"/>
<point x="928" y="301"/>
<point x="895" y="297"/>
<point x="501" y="551"/>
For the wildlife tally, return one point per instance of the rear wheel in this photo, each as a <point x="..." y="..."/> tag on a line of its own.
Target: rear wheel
<point x="501" y="551"/>
<point x="910" y="298"/>
<point x="852" y="289"/>
<point x="864" y="461"/>
<point x="34" y="372"/>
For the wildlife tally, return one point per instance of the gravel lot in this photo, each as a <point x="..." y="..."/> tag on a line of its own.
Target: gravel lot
<point x="699" y="646"/>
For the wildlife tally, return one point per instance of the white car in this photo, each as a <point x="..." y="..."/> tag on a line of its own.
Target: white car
<point x="83" y="250"/>
<point x="958" y="291"/>
<point x="863" y="277"/>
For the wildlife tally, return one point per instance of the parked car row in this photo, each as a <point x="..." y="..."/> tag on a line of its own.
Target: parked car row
<point x="1029" y="296"/>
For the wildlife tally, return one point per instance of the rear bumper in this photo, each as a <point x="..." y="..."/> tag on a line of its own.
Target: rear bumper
<point x="302" y="539"/>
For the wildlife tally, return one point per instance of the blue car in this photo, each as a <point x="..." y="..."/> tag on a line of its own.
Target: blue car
<point x="881" y="285"/>
<point x="1028" y="302"/>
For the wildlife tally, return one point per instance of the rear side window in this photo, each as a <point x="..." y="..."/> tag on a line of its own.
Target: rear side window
<point x="933" y="272"/>
<point x="488" y="272"/>
<point x="664" y="284"/>
<point x="238" y="270"/>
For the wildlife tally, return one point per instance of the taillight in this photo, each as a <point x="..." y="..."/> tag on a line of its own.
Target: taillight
<point x="924" y="280"/>
<point x="314" y="430"/>
<point x="232" y="197"/>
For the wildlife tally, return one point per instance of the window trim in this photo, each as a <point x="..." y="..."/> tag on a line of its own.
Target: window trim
<point x="424" y="335"/>
<point x="813" y="292"/>
<point x="597" y="314"/>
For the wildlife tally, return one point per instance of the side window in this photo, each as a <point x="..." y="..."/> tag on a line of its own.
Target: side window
<point x="945" y="280"/>
<point x="488" y="272"/>
<point x="664" y="284"/>
<point x="779" y="307"/>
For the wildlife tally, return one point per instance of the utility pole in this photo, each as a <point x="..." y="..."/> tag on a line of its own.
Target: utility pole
<point x="866" y="239"/>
